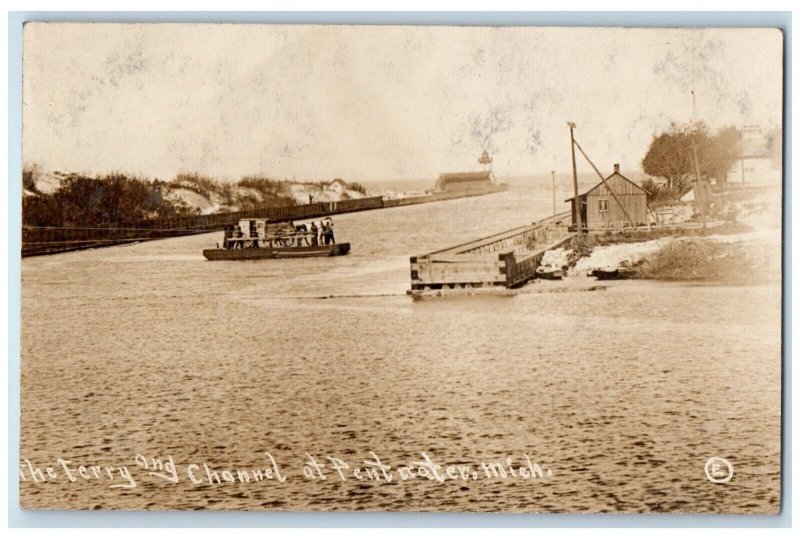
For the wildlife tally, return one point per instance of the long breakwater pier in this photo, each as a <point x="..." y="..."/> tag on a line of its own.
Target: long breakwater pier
<point x="508" y="259"/>
<point x="42" y="240"/>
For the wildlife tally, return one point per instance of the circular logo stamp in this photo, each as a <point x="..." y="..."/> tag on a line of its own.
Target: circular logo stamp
<point x="719" y="470"/>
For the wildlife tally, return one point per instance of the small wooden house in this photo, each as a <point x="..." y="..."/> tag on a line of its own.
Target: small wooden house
<point x="600" y="210"/>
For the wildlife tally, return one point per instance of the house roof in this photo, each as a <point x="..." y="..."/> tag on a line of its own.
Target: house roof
<point x="598" y="184"/>
<point x="686" y="189"/>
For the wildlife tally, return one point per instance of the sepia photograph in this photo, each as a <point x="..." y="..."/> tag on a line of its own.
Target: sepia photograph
<point x="399" y="268"/>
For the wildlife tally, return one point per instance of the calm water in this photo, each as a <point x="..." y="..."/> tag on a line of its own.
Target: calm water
<point x="622" y="393"/>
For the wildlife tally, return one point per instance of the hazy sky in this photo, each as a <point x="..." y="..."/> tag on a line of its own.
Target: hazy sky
<point x="363" y="103"/>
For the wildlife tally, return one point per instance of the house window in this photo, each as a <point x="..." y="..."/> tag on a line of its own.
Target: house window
<point x="603" y="204"/>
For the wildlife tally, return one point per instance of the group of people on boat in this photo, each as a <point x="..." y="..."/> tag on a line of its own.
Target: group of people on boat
<point x="322" y="234"/>
<point x="313" y="234"/>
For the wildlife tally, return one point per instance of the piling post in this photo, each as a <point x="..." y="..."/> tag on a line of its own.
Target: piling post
<point x="699" y="189"/>
<point x="576" y="203"/>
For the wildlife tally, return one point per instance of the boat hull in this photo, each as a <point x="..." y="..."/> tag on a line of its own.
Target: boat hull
<point x="610" y="274"/>
<point x="337" y="249"/>
<point x="551" y="274"/>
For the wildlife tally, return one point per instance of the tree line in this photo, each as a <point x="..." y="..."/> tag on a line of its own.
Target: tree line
<point x="671" y="155"/>
<point x="118" y="200"/>
<point x="110" y="200"/>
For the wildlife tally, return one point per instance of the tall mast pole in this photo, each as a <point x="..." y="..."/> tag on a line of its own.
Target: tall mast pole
<point x="553" y="172"/>
<point x="576" y="203"/>
<point x="699" y="187"/>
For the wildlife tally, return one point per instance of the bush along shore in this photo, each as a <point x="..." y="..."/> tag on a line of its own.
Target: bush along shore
<point x="71" y="199"/>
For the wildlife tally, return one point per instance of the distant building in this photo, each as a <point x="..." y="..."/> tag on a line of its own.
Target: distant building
<point x="600" y="210"/>
<point x="658" y="180"/>
<point x="761" y="171"/>
<point x="760" y="162"/>
<point x="337" y="186"/>
<point x="463" y="181"/>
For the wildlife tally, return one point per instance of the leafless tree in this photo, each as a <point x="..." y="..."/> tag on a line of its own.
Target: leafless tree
<point x="485" y="128"/>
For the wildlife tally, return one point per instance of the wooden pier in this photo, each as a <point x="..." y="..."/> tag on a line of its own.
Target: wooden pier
<point x="50" y="240"/>
<point x="508" y="259"/>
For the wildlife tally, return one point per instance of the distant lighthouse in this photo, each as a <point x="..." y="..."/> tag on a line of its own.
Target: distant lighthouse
<point x="486" y="161"/>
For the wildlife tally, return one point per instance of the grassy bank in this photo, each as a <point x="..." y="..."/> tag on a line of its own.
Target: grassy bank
<point x="729" y="253"/>
<point x="70" y="199"/>
<point x="113" y="199"/>
<point x="710" y="260"/>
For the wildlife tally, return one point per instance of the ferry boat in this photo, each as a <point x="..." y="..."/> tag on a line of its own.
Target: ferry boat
<point x="254" y="239"/>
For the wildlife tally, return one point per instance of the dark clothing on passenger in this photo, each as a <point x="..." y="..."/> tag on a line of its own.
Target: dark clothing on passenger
<point x="226" y="237"/>
<point x="329" y="233"/>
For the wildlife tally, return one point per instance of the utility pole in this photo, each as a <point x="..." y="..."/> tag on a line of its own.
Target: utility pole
<point x="553" y="172"/>
<point x="741" y="152"/>
<point x="746" y="130"/>
<point x="700" y="191"/>
<point x="576" y="203"/>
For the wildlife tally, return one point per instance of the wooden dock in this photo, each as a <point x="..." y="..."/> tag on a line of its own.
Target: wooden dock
<point x="508" y="259"/>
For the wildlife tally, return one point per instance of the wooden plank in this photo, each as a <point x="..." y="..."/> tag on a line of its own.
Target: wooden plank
<point x="460" y="258"/>
<point x="470" y="279"/>
<point x="454" y="268"/>
<point x="479" y="265"/>
<point x="438" y="271"/>
<point x="491" y="264"/>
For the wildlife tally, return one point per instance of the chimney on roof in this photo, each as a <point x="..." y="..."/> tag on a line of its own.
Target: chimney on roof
<point x="616" y="168"/>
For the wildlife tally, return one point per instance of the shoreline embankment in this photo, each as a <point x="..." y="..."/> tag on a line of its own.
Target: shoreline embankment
<point x="719" y="254"/>
<point x="720" y="251"/>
